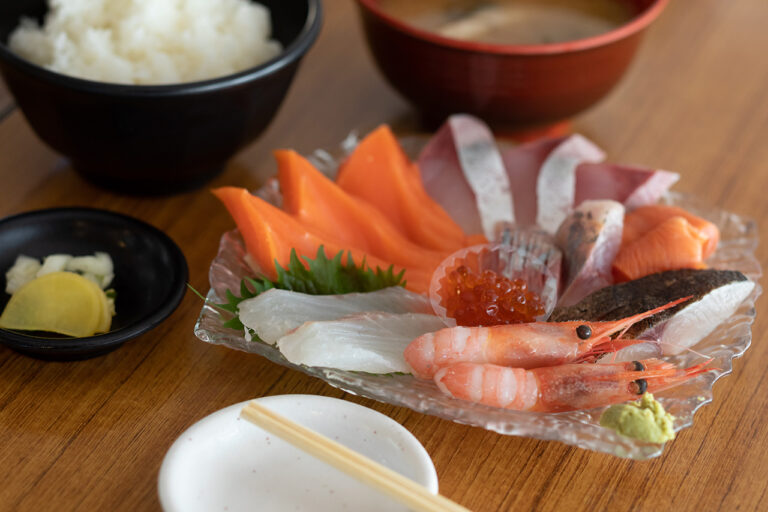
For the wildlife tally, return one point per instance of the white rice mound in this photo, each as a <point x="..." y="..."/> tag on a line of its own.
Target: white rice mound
<point x="148" y="41"/>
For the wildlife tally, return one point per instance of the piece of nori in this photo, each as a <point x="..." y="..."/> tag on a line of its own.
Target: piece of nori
<point x="649" y="292"/>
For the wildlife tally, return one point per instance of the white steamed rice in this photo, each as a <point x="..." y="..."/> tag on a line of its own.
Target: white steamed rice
<point x="148" y="41"/>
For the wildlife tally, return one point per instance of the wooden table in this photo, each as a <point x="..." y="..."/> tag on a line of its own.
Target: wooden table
<point x="91" y="435"/>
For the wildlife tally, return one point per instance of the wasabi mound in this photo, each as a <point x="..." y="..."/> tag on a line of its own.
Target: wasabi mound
<point x="645" y="420"/>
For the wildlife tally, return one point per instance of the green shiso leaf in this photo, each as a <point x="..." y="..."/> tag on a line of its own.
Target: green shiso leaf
<point x="319" y="276"/>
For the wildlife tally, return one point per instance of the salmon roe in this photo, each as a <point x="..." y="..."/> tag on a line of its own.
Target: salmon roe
<point x="488" y="299"/>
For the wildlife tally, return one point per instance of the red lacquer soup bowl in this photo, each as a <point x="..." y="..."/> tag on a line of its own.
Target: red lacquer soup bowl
<point x="515" y="85"/>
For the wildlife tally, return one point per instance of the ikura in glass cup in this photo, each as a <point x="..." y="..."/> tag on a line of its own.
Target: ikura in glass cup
<point x="498" y="283"/>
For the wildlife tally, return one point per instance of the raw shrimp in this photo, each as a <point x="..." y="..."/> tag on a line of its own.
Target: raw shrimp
<point x="521" y="345"/>
<point x="566" y="387"/>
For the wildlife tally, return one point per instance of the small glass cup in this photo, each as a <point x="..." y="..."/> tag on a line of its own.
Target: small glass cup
<point x="526" y="254"/>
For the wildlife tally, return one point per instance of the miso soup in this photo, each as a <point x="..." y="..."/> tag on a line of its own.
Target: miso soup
<point x="512" y="21"/>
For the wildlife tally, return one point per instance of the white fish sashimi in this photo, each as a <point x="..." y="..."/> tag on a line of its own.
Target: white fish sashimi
<point x="371" y="342"/>
<point x="275" y="312"/>
<point x="556" y="185"/>
<point x="689" y="325"/>
<point x="696" y="321"/>
<point x="462" y="170"/>
<point x="590" y="238"/>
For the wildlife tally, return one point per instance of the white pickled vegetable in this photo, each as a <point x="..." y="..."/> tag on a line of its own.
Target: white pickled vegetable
<point x="23" y="271"/>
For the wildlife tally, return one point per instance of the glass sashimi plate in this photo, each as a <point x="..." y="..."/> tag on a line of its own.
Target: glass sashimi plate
<point x="579" y="428"/>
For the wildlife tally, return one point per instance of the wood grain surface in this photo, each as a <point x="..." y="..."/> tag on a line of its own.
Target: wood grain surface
<point x="91" y="435"/>
<point x="6" y="101"/>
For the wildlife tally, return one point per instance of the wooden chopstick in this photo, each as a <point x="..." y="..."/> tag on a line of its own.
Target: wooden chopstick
<point x="390" y="482"/>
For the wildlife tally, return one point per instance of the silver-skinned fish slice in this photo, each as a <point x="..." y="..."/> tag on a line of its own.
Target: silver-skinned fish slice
<point x="716" y="295"/>
<point x="462" y="169"/>
<point x="523" y="163"/>
<point x="275" y="312"/>
<point x="556" y="183"/>
<point x="370" y="342"/>
<point x="589" y="238"/>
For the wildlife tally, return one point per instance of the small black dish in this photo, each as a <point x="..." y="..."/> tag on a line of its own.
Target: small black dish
<point x="155" y="139"/>
<point x="150" y="273"/>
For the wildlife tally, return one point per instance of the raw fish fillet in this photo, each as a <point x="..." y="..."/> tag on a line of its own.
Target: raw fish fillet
<point x="590" y="238"/>
<point x="642" y="220"/>
<point x="379" y="172"/>
<point x="371" y="342"/>
<point x="671" y="245"/>
<point x="523" y="164"/>
<point x="556" y="184"/>
<point x="463" y="171"/>
<point x="717" y="295"/>
<point x="274" y="313"/>
<point x="631" y="186"/>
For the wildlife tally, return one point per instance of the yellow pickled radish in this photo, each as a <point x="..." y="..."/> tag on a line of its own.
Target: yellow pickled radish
<point x="60" y="302"/>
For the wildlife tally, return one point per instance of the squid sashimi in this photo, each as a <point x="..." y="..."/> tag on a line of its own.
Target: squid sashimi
<point x="371" y="342"/>
<point x="522" y="164"/>
<point x="275" y="312"/>
<point x="320" y="204"/>
<point x="556" y="184"/>
<point x="642" y="220"/>
<point x="270" y="234"/>
<point x="463" y="171"/>
<point x="379" y="172"/>
<point x="715" y="297"/>
<point x="671" y="245"/>
<point x="589" y="238"/>
<point x="632" y="186"/>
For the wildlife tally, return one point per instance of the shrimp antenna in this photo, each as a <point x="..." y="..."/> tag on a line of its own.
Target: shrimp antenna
<point x="687" y="349"/>
<point x="661" y="369"/>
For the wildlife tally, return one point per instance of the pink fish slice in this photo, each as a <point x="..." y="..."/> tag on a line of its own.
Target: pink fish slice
<point x="631" y="186"/>
<point x="463" y="171"/>
<point x="556" y="184"/>
<point x="523" y="164"/>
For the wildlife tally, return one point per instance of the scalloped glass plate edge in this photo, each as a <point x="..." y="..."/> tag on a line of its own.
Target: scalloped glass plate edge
<point x="578" y="428"/>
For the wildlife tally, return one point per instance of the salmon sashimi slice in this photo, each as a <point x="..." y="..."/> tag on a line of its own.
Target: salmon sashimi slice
<point x="673" y="244"/>
<point x="379" y="172"/>
<point x="322" y="205"/>
<point x="270" y="234"/>
<point x="643" y="219"/>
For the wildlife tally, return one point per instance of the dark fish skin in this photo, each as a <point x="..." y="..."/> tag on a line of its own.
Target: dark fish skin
<point x="634" y="297"/>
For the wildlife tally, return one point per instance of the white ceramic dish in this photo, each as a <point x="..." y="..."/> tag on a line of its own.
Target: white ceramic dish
<point x="225" y="463"/>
